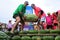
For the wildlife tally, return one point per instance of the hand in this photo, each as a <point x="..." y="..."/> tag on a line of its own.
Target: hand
<point x="24" y="17"/>
<point x="20" y="12"/>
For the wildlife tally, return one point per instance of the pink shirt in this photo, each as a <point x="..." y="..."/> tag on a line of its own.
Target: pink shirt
<point x="49" y="20"/>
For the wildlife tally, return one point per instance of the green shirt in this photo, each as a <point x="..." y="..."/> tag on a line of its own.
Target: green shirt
<point x="21" y="8"/>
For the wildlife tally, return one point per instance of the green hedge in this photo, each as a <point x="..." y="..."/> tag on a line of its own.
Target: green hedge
<point x="48" y="38"/>
<point x="55" y="31"/>
<point x="40" y="32"/>
<point x="16" y="38"/>
<point x="8" y="33"/>
<point x="57" y="38"/>
<point x="25" y="38"/>
<point x="3" y="36"/>
<point x="32" y="32"/>
<point x="36" y="38"/>
<point x="23" y="32"/>
<point x="16" y="32"/>
<point x="44" y="31"/>
<point x="29" y="32"/>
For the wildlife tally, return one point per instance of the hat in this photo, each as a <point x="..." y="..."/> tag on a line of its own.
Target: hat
<point x="26" y="2"/>
<point x="48" y="13"/>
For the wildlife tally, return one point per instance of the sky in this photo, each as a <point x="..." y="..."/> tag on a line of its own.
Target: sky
<point x="7" y="7"/>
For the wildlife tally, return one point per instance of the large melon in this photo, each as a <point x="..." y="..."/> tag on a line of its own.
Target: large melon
<point x="31" y="17"/>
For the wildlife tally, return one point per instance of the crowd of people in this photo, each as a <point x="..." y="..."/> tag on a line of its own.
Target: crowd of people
<point x="49" y="21"/>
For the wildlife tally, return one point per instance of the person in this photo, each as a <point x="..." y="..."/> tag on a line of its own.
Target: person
<point x="45" y="25"/>
<point x="19" y="26"/>
<point x="0" y="26"/>
<point x="40" y="25"/>
<point x="39" y="13"/>
<point x="49" y="21"/>
<point x="36" y="27"/>
<point x="19" y="15"/>
<point x="9" y="25"/>
<point x="54" y="16"/>
<point x="26" y="26"/>
<point x="36" y="9"/>
<point x="58" y="18"/>
<point x="42" y="18"/>
<point x="55" y="22"/>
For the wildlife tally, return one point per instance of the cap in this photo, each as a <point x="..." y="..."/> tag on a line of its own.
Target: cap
<point x="48" y="13"/>
<point x="26" y="2"/>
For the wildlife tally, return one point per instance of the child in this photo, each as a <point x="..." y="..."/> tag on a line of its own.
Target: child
<point x="26" y="26"/>
<point x="58" y="18"/>
<point x="36" y="27"/>
<point x="49" y="21"/>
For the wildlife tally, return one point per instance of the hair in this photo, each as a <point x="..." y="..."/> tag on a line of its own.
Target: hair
<point x="26" y="2"/>
<point x="32" y="5"/>
<point x="41" y="12"/>
<point x="57" y="13"/>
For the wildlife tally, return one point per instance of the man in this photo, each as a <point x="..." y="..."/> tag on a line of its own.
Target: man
<point x="9" y="25"/>
<point x="36" y="9"/>
<point x="19" y="15"/>
<point x="0" y="26"/>
<point x="55" y="21"/>
<point x="58" y="18"/>
<point x="49" y="21"/>
<point x="38" y="12"/>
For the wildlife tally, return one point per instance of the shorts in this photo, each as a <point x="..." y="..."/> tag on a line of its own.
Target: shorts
<point x="22" y="21"/>
<point x="15" y="15"/>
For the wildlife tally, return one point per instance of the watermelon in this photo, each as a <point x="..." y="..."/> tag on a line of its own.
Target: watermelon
<point x="31" y="17"/>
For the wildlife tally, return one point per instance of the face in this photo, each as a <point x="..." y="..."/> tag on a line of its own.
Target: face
<point x="54" y="13"/>
<point x="26" y="23"/>
<point x="26" y="3"/>
<point x="32" y="5"/>
<point x="48" y="14"/>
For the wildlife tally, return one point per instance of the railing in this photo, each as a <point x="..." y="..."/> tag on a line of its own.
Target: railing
<point x="39" y="34"/>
